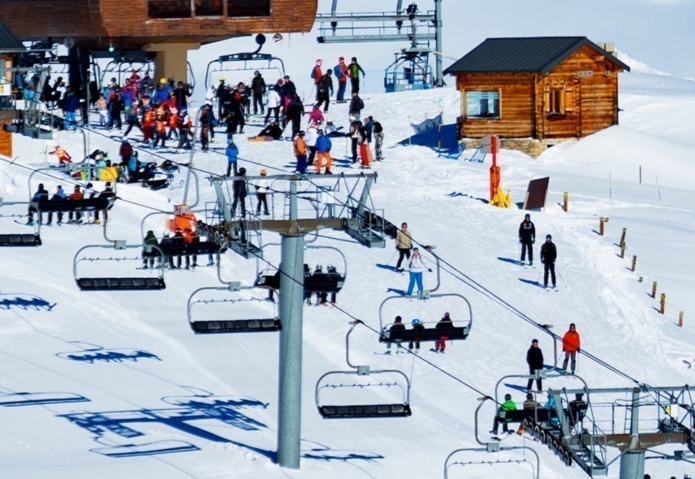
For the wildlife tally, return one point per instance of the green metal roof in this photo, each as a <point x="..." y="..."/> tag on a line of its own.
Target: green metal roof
<point x="523" y="55"/>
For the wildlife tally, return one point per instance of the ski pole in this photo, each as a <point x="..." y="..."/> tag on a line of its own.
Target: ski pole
<point x="391" y="259"/>
<point x="561" y="277"/>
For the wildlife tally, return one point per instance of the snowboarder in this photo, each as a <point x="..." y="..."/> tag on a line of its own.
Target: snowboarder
<point x="404" y="244"/>
<point x="527" y="236"/>
<point x="508" y="405"/>
<point x="444" y="325"/>
<point x="571" y="345"/>
<point x="548" y="257"/>
<point x="534" y="359"/>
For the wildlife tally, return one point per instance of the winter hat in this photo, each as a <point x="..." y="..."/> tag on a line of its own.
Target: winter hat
<point x="319" y="61"/>
<point x="398" y="319"/>
<point x="548" y="237"/>
<point x="507" y="397"/>
<point x="527" y="216"/>
<point x="534" y="340"/>
<point x="446" y="315"/>
<point x="242" y="171"/>
<point x="341" y="59"/>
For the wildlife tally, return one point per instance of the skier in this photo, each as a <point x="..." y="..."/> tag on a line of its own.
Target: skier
<point x="323" y="150"/>
<point x="40" y="195"/>
<point x="262" y="187"/>
<point x="548" y="257"/>
<point x="404" y="244"/>
<point x="273" y="106"/>
<point x="444" y="324"/>
<point x="239" y="190"/>
<point x="508" y="405"/>
<point x="571" y="345"/>
<point x="325" y="90"/>
<point x="527" y="236"/>
<point x="232" y="153"/>
<point x="354" y="70"/>
<point x="316" y="75"/>
<point x="396" y="326"/>
<point x="300" y="152"/>
<point x="534" y="359"/>
<point x="75" y="216"/>
<point x="530" y="403"/>
<point x="341" y="73"/>
<point x="416" y="266"/>
<point x="417" y="326"/>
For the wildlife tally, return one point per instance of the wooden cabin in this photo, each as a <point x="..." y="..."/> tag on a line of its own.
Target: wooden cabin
<point x="542" y="88"/>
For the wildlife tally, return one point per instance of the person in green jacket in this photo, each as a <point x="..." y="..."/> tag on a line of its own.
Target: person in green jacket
<point x="354" y="70"/>
<point x="508" y="405"/>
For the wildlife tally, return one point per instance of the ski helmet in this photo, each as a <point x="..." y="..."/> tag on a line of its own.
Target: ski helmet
<point x="416" y="321"/>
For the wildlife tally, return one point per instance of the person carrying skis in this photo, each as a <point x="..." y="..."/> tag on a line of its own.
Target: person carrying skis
<point x="395" y="327"/>
<point x="534" y="359"/>
<point x="527" y="236"/>
<point x="548" y="257"/>
<point x="404" y="243"/>
<point x="508" y="405"/>
<point x="445" y="324"/>
<point x="571" y="345"/>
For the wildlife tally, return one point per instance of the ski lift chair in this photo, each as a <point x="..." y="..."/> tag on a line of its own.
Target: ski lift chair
<point x="460" y="331"/>
<point x="118" y="283"/>
<point x="247" y="323"/>
<point x="364" y="379"/>
<point x="18" y="239"/>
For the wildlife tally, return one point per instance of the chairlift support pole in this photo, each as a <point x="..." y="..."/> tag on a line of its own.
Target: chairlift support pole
<point x="439" y="79"/>
<point x="291" y="316"/>
<point x="632" y="459"/>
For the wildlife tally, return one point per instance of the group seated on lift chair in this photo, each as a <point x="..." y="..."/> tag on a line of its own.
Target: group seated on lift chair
<point x="317" y="282"/>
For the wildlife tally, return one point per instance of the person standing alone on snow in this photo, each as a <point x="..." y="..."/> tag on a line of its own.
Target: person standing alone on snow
<point x="527" y="236"/>
<point x="404" y="244"/>
<point x="534" y="359"/>
<point x="571" y="345"/>
<point x="548" y="257"/>
<point x="416" y="266"/>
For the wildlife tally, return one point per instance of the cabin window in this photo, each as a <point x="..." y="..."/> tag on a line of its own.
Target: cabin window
<point x="556" y="101"/>
<point x="482" y="104"/>
<point x="173" y="9"/>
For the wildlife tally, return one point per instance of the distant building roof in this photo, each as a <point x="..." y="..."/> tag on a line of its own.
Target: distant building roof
<point x="523" y="55"/>
<point x="9" y="42"/>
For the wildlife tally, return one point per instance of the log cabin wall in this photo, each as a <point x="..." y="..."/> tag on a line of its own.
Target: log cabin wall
<point x="516" y="94"/>
<point x="128" y="18"/>
<point x="578" y="97"/>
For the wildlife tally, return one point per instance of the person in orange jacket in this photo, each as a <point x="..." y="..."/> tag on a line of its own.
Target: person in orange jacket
<point x="63" y="156"/>
<point x="300" y="152"/>
<point x="571" y="345"/>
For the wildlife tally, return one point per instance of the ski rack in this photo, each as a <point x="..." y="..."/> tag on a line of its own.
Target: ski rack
<point x="362" y="411"/>
<point x="111" y="283"/>
<point x="315" y="282"/>
<point x="244" y="57"/>
<point x="20" y="239"/>
<point x="246" y="325"/>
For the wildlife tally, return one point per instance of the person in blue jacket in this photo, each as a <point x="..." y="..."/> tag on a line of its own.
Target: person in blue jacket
<point x="232" y="153"/>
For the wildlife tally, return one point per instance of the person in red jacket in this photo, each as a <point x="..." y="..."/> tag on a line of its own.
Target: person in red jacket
<point x="571" y="345"/>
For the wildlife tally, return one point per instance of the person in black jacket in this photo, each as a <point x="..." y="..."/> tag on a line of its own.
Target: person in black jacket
<point x="325" y="90"/>
<point x="548" y="257"/>
<point x="258" y="87"/>
<point x="40" y="195"/>
<point x="527" y="236"/>
<point x="534" y="359"/>
<point x="239" y="191"/>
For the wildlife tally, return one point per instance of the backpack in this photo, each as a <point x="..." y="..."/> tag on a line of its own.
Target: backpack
<point x="338" y="71"/>
<point x="313" y="72"/>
